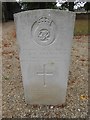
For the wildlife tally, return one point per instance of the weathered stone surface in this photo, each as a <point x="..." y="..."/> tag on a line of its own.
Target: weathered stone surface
<point x="45" y="40"/>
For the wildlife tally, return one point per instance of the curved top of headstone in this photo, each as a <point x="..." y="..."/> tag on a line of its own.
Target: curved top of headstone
<point x="44" y="11"/>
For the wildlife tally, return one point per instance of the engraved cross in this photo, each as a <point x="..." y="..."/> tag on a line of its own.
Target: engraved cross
<point x="44" y="74"/>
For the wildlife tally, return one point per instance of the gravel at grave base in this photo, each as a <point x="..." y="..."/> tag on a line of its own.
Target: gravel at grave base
<point x="0" y="71"/>
<point x="13" y="101"/>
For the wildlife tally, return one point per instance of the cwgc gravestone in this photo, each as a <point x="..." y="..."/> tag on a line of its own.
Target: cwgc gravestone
<point x="45" y="40"/>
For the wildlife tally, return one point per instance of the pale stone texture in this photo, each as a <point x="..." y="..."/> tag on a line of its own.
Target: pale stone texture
<point x="45" y="41"/>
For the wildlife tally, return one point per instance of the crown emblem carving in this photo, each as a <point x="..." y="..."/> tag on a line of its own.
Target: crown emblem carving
<point x="44" y="20"/>
<point x="44" y="31"/>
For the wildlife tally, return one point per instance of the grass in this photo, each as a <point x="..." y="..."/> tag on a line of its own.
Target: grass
<point x="82" y="27"/>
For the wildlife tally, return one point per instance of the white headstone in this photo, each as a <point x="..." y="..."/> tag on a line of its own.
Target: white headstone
<point x="45" y="40"/>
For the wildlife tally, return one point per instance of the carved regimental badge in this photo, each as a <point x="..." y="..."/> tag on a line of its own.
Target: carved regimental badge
<point x="43" y="31"/>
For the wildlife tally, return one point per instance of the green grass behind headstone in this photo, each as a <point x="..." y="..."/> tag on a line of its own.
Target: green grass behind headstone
<point x="82" y="27"/>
